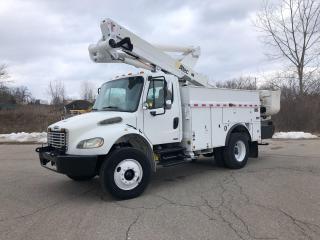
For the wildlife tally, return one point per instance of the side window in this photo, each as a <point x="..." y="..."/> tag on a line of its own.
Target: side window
<point x="156" y="94"/>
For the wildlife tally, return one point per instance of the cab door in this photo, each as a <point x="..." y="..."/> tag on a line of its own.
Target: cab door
<point x="161" y="112"/>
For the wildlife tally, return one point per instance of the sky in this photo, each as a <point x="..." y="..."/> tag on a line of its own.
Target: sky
<point x="43" y="41"/>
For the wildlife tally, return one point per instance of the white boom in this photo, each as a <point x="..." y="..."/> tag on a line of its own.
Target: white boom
<point x="119" y="45"/>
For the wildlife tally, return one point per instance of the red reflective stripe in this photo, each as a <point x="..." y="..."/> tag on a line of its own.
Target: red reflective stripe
<point x="222" y="105"/>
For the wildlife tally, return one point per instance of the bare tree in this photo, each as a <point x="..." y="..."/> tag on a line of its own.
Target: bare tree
<point x="56" y="92"/>
<point x="21" y="94"/>
<point x="87" y="91"/>
<point x="293" y="29"/>
<point x="239" y="83"/>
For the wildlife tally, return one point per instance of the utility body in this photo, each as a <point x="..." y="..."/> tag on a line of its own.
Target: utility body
<point x="165" y="115"/>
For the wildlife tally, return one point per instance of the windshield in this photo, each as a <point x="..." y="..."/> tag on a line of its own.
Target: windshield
<point x="120" y="95"/>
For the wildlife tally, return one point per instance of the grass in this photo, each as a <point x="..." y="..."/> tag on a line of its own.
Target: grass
<point x="29" y="118"/>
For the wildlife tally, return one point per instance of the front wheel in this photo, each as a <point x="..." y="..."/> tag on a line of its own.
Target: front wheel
<point x="125" y="173"/>
<point x="237" y="152"/>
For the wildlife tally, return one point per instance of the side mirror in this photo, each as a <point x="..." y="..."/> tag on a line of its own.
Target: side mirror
<point x="145" y="106"/>
<point x="168" y="104"/>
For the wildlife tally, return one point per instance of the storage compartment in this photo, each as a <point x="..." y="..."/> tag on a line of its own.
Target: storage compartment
<point x="218" y="133"/>
<point x="241" y="115"/>
<point x="201" y="128"/>
<point x="209" y="113"/>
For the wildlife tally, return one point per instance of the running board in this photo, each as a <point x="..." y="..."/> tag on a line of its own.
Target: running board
<point x="169" y="150"/>
<point x="172" y="163"/>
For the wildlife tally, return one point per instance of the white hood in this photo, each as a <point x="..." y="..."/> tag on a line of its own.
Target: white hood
<point x="87" y="126"/>
<point x="87" y="120"/>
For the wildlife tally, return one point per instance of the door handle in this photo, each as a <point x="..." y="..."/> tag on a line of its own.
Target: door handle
<point x="175" y="122"/>
<point x="158" y="111"/>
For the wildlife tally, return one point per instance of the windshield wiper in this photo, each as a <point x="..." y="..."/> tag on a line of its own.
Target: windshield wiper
<point x="110" y="107"/>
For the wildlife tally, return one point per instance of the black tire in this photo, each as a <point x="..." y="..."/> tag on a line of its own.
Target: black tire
<point x="218" y="157"/>
<point x="108" y="168"/>
<point x="81" y="178"/>
<point x="233" y="150"/>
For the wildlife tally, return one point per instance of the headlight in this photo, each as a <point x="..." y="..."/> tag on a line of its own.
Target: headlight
<point x="90" y="143"/>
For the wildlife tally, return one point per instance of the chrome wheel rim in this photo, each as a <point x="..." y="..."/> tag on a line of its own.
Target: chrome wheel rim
<point x="239" y="151"/>
<point x="128" y="174"/>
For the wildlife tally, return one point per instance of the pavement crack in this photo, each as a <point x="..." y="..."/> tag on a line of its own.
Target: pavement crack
<point x="131" y="225"/>
<point x="241" y="191"/>
<point x="301" y="225"/>
<point x="230" y="217"/>
<point x="43" y="208"/>
<point x="197" y="207"/>
<point x="212" y="208"/>
<point x="31" y="213"/>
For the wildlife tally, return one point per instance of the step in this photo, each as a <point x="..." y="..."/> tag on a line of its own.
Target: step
<point x="169" y="150"/>
<point x="172" y="163"/>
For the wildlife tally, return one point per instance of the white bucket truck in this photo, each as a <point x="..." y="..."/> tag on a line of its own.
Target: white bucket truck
<point x="164" y="116"/>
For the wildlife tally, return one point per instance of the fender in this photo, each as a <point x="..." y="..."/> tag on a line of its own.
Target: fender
<point x="237" y="128"/>
<point x="113" y="134"/>
<point x="139" y="141"/>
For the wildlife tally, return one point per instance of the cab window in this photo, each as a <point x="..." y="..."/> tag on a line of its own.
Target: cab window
<point x="156" y="94"/>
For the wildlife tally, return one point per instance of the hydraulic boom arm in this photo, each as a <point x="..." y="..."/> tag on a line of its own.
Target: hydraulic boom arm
<point x="119" y="45"/>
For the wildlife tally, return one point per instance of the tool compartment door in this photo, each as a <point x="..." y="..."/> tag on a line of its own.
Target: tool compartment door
<point x="238" y="115"/>
<point x="218" y="131"/>
<point x="201" y="128"/>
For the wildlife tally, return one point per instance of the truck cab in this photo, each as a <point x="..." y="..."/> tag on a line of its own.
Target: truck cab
<point x="141" y="110"/>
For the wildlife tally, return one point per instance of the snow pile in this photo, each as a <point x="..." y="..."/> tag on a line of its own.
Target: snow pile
<point x="21" y="137"/>
<point x="293" y="135"/>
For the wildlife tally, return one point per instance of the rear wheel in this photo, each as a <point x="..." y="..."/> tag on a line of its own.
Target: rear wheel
<point x="237" y="152"/>
<point x="125" y="173"/>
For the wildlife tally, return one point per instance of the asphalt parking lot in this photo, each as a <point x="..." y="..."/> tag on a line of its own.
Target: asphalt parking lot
<point x="277" y="196"/>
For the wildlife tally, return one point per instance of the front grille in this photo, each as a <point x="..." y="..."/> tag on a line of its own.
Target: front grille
<point x="57" y="139"/>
